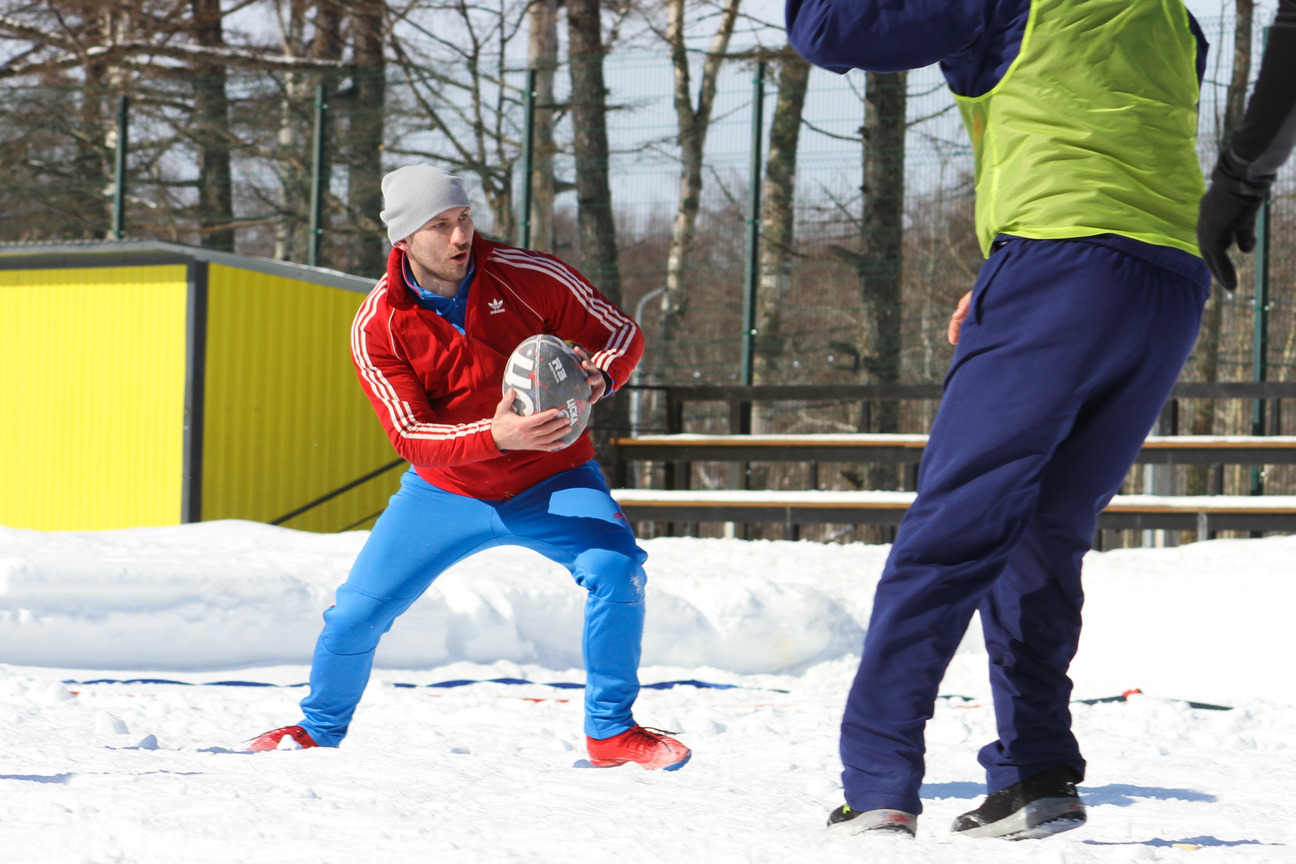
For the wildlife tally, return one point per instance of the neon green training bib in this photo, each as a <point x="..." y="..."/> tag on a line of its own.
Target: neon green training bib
<point x="1093" y="129"/>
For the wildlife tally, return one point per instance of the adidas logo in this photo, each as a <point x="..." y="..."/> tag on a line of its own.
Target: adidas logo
<point x="496" y="306"/>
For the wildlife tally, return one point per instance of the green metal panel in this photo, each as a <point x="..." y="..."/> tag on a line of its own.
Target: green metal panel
<point x="285" y="423"/>
<point x="92" y="383"/>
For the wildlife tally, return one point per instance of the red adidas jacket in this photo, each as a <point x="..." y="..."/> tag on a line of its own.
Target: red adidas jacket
<point x="435" y="389"/>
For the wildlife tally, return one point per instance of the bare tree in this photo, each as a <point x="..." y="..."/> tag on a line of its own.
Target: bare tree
<point x="174" y="58"/>
<point x="466" y="106"/>
<point x="68" y="144"/>
<point x="1207" y="354"/>
<point x="881" y="262"/>
<point x="778" y="220"/>
<point x="1235" y="104"/>
<point x="694" y="122"/>
<point x="542" y="56"/>
<point x="293" y="195"/>
<point x="365" y="103"/>
<point x="597" y="230"/>
<point x="211" y="135"/>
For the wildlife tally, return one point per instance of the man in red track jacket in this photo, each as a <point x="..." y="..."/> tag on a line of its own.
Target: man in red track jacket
<point x="430" y="345"/>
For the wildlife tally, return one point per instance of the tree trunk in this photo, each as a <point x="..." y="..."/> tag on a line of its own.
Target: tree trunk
<point x="212" y="134"/>
<point x="365" y="137"/>
<point x="93" y="135"/>
<point x="497" y="186"/>
<point x="543" y="56"/>
<point x="1208" y="347"/>
<point x="326" y="44"/>
<point x="294" y="145"/>
<point x="881" y="263"/>
<point x="597" y="229"/>
<point x="693" y="125"/>
<point x="1235" y="106"/>
<point x="778" y="221"/>
<point x="598" y="249"/>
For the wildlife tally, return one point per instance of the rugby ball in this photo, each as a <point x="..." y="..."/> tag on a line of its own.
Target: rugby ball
<point x="544" y="372"/>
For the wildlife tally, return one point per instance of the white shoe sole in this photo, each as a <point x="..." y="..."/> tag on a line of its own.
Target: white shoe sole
<point x="1042" y="818"/>
<point x="886" y="823"/>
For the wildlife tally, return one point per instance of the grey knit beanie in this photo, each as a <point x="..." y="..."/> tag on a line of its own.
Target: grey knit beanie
<point x="414" y="194"/>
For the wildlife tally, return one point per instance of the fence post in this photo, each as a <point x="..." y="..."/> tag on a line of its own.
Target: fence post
<point x="752" y="274"/>
<point x="528" y="158"/>
<point x="740" y="420"/>
<point x="1159" y="479"/>
<point x="1260" y="341"/>
<point x="119" y="186"/>
<point x="316" y="229"/>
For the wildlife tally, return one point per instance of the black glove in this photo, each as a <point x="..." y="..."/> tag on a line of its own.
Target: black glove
<point x="1228" y="215"/>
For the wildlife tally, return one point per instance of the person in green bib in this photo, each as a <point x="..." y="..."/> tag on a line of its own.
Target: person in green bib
<point x="1083" y="117"/>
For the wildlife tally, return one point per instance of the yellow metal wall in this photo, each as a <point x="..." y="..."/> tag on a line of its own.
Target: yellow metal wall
<point x="285" y="419"/>
<point x="92" y="376"/>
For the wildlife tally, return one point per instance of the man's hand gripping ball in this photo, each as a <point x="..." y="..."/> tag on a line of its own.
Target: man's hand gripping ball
<point x="546" y="396"/>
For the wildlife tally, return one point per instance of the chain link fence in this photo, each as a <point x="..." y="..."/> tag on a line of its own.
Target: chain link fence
<point x="280" y="194"/>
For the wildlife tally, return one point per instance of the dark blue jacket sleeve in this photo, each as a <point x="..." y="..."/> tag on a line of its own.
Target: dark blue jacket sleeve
<point x="882" y="35"/>
<point x="975" y="41"/>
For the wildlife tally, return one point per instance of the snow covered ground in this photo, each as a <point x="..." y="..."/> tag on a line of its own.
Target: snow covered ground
<point x="147" y="771"/>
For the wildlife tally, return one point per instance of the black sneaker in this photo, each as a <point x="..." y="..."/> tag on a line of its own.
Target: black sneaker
<point x="844" y="820"/>
<point x="1043" y="804"/>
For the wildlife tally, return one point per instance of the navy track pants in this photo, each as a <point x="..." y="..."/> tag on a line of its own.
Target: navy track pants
<point x="569" y="518"/>
<point x="1063" y="364"/>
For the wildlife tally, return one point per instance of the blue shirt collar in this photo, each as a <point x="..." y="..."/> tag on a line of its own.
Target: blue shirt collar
<point x="453" y="309"/>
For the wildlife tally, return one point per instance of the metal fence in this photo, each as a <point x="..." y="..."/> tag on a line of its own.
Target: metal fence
<point x="295" y="184"/>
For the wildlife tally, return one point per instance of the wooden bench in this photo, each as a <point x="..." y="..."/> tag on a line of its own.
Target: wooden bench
<point x="737" y="402"/>
<point x="1203" y="514"/>
<point x="678" y="452"/>
<point x="1157" y="450"/>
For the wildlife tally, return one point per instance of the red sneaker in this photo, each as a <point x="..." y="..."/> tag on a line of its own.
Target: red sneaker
<point x="270" y="740"/>
<point x="651" y="748"/>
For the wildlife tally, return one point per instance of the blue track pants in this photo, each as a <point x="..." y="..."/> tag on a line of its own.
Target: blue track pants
<point x="1063" y="364"/>
<point x="569" y="518"/>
